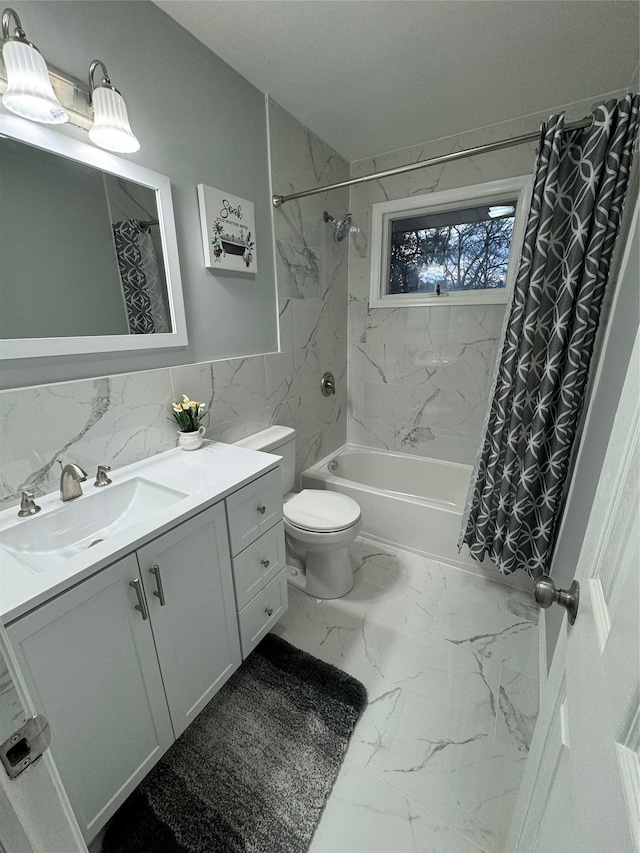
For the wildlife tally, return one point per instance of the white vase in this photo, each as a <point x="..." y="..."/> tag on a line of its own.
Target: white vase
<point x="191" y="440"/>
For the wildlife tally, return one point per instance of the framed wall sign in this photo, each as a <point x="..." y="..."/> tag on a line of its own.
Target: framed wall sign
<point x="228" y="230"/>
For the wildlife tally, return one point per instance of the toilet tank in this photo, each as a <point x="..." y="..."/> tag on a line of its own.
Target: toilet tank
<point x="280" y="441"/>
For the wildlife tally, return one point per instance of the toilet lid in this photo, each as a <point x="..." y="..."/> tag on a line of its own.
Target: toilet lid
<point x="323" y="511"/>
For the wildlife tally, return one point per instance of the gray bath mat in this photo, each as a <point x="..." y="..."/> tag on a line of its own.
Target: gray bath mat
<point x="253" y="771"/>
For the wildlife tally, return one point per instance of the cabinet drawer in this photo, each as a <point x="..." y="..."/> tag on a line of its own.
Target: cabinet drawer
<point x="252" y="510"/>
<point x="254" y="567"/>
<point x="262" y="612"/>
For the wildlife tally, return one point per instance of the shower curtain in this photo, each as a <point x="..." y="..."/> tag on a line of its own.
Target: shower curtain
<point x="518" y="483"/>
<point x="140" y="276"/>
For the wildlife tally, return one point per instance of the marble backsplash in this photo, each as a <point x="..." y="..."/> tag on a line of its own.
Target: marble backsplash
<point x="419" y="378"/>
<point x="120" y="419"/>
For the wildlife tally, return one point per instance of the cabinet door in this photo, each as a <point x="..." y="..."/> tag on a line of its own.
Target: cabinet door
<point x="90" y="664"/>
<point x="187" y="577"/>
<point x="253" y="509"/>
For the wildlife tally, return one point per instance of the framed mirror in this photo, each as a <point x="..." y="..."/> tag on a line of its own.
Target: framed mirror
<point x="88" y="249"/>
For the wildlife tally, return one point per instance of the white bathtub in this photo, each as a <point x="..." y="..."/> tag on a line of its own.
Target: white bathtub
<point x="408" y="501"/>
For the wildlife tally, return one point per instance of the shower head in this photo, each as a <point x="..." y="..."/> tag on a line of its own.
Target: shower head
<point x="341" y="227"/>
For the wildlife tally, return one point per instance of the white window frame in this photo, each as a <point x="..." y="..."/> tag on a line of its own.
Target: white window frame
<point x="494" y="192"/>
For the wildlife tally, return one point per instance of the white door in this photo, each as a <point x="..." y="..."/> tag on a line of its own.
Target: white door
<point x="35" y="814"/>
<point x="581" y="787"/>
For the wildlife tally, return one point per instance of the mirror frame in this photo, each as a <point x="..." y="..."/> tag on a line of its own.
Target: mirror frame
<point x="37" y="136"/>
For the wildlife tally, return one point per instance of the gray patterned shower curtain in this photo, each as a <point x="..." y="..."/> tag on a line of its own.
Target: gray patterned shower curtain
<point x="518" y="483"/>
<point x="140" y="277"/>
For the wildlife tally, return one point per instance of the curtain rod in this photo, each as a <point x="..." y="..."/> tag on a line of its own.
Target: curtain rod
<point x="278" y="200"/>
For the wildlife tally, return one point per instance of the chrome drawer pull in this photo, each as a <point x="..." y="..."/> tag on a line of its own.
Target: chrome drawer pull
<point x="265" y="563"/>
<point x="261" y="509"/>
<point x="268" y="611"/>
<point x="140" y="606"/>
<point x="159" y="592"/>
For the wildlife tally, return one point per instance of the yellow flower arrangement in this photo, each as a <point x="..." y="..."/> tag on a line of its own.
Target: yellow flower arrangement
<point x="188" y="414"/>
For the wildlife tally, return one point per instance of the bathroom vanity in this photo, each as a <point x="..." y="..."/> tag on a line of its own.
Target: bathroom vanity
<point x="128" y="610"/>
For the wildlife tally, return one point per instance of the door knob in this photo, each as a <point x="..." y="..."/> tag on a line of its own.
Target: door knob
<point x="545" y="593"/>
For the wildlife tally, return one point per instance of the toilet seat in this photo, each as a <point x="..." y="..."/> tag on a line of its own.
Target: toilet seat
<point x="321" y="511"/>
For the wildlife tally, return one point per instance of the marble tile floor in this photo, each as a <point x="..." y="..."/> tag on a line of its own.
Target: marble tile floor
<point x="450" y="662"/>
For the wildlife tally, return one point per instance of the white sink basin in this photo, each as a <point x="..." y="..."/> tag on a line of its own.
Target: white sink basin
<point x="41" y="541"/>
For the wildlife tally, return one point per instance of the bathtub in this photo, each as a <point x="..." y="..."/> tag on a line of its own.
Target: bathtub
<point x="411" y="502"/>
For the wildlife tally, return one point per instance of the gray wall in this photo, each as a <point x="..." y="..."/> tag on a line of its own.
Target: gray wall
<point x="198" y="121"/>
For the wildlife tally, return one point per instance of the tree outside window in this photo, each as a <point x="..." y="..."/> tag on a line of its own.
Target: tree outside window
<point x="451" y="251"/>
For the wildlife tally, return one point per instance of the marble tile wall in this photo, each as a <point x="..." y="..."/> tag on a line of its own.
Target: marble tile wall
<point x="119" y="419"/>
<point x="311" y="272"/>
<point x="419" y="378"/>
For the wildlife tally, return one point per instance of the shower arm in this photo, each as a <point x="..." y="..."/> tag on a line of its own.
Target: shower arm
<point x="279" y="200"/>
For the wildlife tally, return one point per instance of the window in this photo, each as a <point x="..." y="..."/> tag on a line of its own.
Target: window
<point x="456" y="247"/>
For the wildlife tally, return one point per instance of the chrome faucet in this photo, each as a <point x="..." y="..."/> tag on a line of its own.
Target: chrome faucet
<point x="70" y="479"/>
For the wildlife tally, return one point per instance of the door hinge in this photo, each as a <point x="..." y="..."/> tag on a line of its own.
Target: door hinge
<point x="25" y="745"/>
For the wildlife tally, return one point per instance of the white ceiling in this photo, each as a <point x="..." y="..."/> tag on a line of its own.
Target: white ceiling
<point x="370" y="76"/>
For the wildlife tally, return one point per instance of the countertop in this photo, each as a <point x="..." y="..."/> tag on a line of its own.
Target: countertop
<point x="206" y="476"/>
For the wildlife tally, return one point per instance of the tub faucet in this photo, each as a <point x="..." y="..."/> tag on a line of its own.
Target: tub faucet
<point x="70" y="479"/>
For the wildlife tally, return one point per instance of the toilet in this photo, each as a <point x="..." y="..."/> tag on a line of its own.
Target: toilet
<point x="319" y="525"/>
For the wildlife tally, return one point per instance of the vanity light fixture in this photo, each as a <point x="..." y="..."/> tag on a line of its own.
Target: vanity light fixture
<point x="29" y="92"/>
<point x="111" y="129"/>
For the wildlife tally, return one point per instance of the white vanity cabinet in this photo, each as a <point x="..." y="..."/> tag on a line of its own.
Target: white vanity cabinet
<point x="101" y="657"/>
<point x="122" y="653"/>
<point x="256" y="536"/>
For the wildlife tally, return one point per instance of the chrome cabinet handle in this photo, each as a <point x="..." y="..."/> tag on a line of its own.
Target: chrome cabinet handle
<point x="268" y="611"/>
<point x="159" y="592"/>
<point x="261" y="509"/>
<point x="265" y="563"/>
<point x="140" y="606"/>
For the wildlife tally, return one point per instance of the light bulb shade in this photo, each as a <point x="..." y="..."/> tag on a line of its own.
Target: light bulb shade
<point x="111" y="128"/>
<point x="29" y="91"/>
